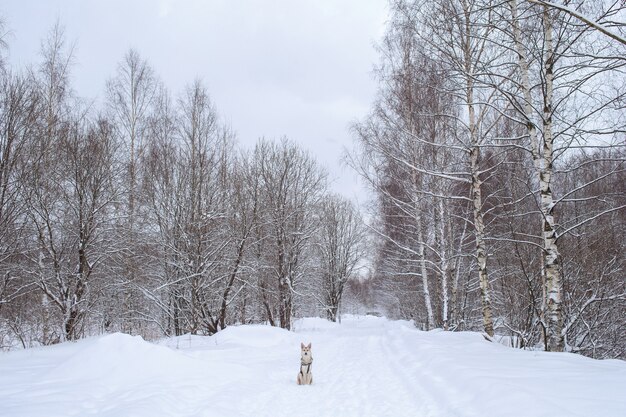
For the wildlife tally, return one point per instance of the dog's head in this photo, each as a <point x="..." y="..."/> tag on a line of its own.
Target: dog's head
<point x="305" y="350"/>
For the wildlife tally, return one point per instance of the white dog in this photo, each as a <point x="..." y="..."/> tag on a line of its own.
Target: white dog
<point x="305" y="377"/>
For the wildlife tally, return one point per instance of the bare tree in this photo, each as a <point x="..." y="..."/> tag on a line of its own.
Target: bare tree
<point x="243" y="217"/>
<point x="68" y="209"/>
<point x="189" y="184"/>
<point x="161" y="180"/>
<point x="131" y="93"/>
<point x="561" y="96"/>
<point x="20" y="109"/>
<point x="205" y="206"/>
<point x="341" y="244"/>
<point x="291" y="185"/>
<point x="55" y="92"/>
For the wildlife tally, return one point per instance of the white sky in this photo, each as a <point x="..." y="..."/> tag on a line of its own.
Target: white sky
<point x="300" y="68"/>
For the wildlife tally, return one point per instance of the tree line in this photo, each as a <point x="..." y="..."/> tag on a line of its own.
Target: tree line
<point x="144" y="215"/>
<point x="496" y="151"/>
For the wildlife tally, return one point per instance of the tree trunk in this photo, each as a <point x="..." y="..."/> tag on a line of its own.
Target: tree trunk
<point x="543" y="160"/>
<point x="481" y="251"/>
<point x="476" y="183"/>
<point x="266" y="304"/>
<point x="285" y="304"/>
<point x="231" y="280"/>
<point x="445" y="265"/>
<point x="550" y="251"/>
<point x="424" y="272"/>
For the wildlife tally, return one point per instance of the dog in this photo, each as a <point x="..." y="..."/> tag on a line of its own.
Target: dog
<point x="305" y="377"/>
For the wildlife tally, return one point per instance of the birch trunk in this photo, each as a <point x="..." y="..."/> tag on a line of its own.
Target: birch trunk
<point x="417" y="184"/>
<point x="424" y="272"/>
<point x="481" y="251"/>
<point x="543" y="164"/>
<point x="476" y="183"/>
<point x="445" y="265"/>
<point x="479" y="225"/>
<point x="454" y="313"/>
<point x="550" y="252"/>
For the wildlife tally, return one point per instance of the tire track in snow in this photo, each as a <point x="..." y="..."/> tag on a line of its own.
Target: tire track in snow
<point x="443" y="393"/>
<point x="358" y="368"/>
<point x="400" y="362"/>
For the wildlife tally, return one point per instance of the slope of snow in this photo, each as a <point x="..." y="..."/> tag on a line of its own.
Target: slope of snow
<point x="365" y="366"/>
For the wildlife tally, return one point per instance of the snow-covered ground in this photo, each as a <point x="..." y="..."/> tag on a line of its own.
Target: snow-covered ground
<point x="365" y="366"/>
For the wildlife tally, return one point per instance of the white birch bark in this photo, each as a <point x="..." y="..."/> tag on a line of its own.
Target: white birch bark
<point x="476" y="183"/>
<point x="421" y="253"/>
<point x="554" y="315"/>
<point x="481" y="250"/>
<point x="542" y="154"/>
<point x="445" y="264"/>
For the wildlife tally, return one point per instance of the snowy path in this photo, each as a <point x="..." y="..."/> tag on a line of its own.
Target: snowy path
<point x="363" y="367"/>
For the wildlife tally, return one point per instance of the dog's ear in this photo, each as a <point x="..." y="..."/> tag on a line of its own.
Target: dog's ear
<point x="309" y="346"/>
<point x="301" y="345"/>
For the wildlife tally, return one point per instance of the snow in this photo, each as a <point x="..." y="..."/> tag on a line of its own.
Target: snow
<point x="365" y="366"/>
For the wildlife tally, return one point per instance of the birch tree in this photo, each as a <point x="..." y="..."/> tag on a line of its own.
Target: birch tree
<point x="563" y="107"/>
<point x="432" y="56"/>
<point x="161" y="181"/>
<point x="460" y="30"/>
<point x="390" y="161"/>
<point x="130" y="96"/>
<point x="55" y="93"/>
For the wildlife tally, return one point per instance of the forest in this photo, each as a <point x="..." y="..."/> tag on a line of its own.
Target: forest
<point x="494" y="153"/>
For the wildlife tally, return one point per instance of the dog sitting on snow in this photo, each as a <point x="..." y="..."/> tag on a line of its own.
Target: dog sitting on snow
<point x="305" y="377"/>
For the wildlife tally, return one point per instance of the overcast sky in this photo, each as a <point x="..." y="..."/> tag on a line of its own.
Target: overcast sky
<point x="273" y="67"/>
